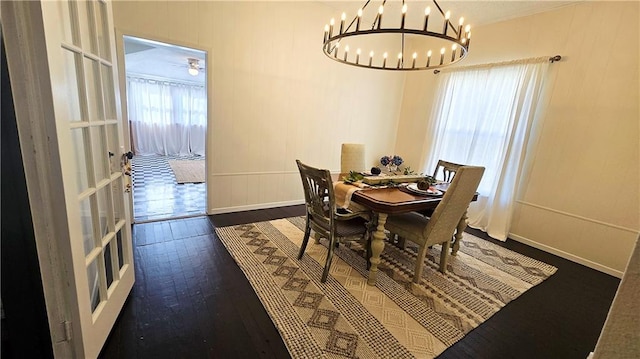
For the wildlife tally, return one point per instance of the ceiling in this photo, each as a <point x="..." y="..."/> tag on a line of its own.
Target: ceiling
<point x="477" y="12"/>
<point x="168" y="61"/>
<point x="487" y="12"/>
<point x="157" y="59"/>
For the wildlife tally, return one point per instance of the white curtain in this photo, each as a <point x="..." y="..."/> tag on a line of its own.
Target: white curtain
<point x="166" y="118"/>
<point x="486" y="116"/>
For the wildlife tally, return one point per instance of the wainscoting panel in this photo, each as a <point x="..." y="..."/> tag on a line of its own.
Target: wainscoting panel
<point x="254" y="190"/>
<point x="596" y="244"/>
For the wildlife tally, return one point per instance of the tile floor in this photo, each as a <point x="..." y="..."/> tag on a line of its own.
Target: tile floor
<point x="157" y="195"/>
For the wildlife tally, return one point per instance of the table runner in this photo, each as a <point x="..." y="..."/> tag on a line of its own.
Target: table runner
<point x="343" y="192"/>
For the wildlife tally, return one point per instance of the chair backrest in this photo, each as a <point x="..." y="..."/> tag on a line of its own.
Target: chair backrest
<point x="318" y="194"/>
<point x="447" y="214"/>
<point x="352" y="158"/>
<point x="448" y="170"/>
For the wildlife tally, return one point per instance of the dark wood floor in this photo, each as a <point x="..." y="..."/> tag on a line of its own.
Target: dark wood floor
<point x="191" y="300"/>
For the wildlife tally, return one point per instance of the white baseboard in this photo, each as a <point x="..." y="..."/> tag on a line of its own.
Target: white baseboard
<point x="254" y="206"/>
<point x="568" y="256"/>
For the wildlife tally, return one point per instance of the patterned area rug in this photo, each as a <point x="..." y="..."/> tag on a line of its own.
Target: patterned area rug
<point x="345" y="317"/>
<point x="187" y="171"/>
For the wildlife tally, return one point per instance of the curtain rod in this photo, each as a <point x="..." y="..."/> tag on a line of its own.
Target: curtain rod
<point x="551" y="59"/>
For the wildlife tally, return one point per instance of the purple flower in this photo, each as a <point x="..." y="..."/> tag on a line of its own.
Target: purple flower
<point x="385" y="160"/>
<point x="397" y="160"/>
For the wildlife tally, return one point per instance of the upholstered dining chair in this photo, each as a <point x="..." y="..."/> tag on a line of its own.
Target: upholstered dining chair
<point x="324" y="218"/>
<point x="441" y="226"/>
<point x="352" y="158"/>
<point x="448" y="171"/>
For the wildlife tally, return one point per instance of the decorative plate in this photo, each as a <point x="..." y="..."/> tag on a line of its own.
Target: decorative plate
<point x="413" y="187"/>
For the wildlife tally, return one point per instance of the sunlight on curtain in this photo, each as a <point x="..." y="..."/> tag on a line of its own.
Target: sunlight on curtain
<point x="166" y="118"/>
<point x="484" y="117"/>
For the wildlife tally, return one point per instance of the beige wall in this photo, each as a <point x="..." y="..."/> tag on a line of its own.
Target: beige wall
<point x="581" y="199"/>
<point x="273" y="96"/>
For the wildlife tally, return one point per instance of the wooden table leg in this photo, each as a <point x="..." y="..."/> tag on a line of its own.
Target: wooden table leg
<point x="462" y="225"/>
<point x="377" y="245"/>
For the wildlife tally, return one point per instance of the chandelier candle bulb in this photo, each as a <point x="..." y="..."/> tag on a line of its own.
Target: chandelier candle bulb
<point x="427" y="11"/>
<point x="326" y="33"/>
<point x="428" y="58"/>
<point x="441" y="56"/>
<point x="460" y="28"/>
<point x="384" y="60"/>
<point x="413" y="63"/>
<point x="331" y="26"/>
<point x="453" y="52"/>
<point x="446" y="22"/>
<point x="404" y="13"/>
<point x="370" y="58"/>
<point x="335" y="54"/>
<point x="358" y="20"/>
<point x="346" y="52"/>
<point x="342" y="18"/>
<point x="380" y="11"/>
<point x="357" y="56"/>
<point x="399" y="60"/>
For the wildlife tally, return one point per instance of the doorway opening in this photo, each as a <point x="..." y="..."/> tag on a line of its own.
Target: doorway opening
<point x="167" y="117"/>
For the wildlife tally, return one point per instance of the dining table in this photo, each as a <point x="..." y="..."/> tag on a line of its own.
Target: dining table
<point x="389" y="201"/>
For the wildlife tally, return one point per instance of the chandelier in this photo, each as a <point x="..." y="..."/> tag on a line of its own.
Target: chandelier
<point x="421" y="39"/>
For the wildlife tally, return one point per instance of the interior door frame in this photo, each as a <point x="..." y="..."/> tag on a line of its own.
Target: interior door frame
<point x="122" y="81"/>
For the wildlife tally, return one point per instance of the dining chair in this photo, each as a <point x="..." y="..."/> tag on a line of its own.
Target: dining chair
<point x="441" y="226"/>
<point x="323" y="217"/>
<point x="352" y="158"/>
<point x="448" y="170"/>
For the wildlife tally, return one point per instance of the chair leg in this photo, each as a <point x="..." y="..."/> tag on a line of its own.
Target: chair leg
<point x="327" y="264"/>
<point x="402" y="243"/>
<point x="444" y="256"/>
<point x="371" y="227"/>
<point x="305" y="240"/>
<point x="417" y="272"/>
<point x="369" y="252"/>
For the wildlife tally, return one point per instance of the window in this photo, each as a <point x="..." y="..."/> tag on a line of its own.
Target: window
<point x="167" y="118"/>
<point x="484" y="116"/>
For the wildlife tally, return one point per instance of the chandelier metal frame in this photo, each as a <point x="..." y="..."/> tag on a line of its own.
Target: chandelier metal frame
<point x="331" y="42"/>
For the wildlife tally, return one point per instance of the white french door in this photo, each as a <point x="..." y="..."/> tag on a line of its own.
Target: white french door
<point x="78" y="189"/>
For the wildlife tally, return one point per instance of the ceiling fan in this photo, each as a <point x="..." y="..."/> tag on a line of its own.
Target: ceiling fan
<point x="178" y="65"/>
<point x="194" y="66"/>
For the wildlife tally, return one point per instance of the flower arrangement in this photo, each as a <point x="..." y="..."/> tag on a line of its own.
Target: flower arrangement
<point x="394" y="160"/>
<point x="391" y="162"/>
